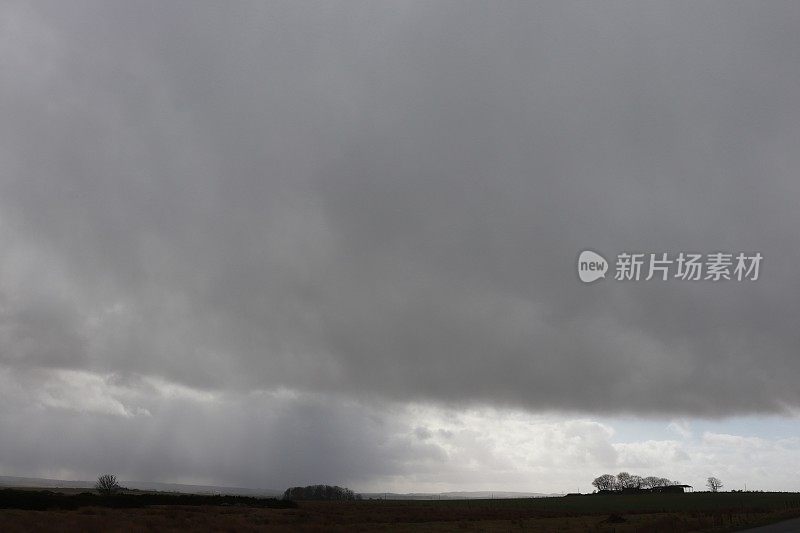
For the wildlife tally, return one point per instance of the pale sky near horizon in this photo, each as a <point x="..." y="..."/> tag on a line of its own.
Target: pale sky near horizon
<point x="267" y="244"/>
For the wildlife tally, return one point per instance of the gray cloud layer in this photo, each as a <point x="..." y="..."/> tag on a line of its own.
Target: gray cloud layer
<point x="388" y="200"/>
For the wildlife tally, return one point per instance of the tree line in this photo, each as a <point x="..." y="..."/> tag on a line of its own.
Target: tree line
<point x="320" y="492"/>
<point x="624" y="480"/>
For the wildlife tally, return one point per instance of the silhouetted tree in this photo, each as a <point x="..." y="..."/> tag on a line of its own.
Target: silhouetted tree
<point x="107" y="484"/>
<point x="652" y="482"/>
<point x="628" y="481"/>
<point x="605" y="482"/>
<point x="713" y="484"/>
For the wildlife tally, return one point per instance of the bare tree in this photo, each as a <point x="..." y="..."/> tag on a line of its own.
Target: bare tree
<point x="605" y="482"/>
<point x="107" y="484"/>
<point x="652" y="482"/>
<point x="628" y="481"/>
<point x="713" y="484"/>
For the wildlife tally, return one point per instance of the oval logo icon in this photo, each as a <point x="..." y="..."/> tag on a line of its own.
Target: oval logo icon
<point x="591" y="266"/>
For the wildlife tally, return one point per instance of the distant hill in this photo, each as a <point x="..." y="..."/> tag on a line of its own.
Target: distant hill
<point x="460" y="495"/>
<point x="30" y="482"/>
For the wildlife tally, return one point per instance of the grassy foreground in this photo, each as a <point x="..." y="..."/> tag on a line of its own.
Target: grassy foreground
<point x="651" y="513"/>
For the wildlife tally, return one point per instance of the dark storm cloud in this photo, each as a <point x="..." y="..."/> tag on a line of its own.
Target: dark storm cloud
<point x="388" y="199"/>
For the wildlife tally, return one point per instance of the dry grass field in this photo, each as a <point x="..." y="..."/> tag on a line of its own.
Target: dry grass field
<point x="665" y="513"/>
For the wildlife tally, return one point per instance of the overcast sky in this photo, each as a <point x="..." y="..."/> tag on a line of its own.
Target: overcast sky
<point x="274" y="243"/>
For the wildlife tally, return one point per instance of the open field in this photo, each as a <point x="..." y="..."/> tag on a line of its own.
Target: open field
<point x="46" y="500"/>
<point x="651" y="513"/>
